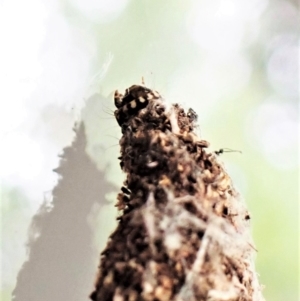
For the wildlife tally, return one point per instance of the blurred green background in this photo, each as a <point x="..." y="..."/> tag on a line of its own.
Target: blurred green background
<point x="235" y="62"/>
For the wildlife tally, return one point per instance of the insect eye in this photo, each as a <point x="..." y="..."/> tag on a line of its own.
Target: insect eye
<point x="118" y="98"/>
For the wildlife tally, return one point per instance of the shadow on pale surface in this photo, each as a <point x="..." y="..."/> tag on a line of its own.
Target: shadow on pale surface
<point x="62" y="260"/>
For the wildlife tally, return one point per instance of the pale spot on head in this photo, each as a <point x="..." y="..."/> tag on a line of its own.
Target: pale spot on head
<point x="152" y="164"/>
<point x="142" y="99"/>
<point x="149" y="96"/>
<point x="133" y="104"/>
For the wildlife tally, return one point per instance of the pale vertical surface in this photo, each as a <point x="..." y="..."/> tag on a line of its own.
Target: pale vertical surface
<point x="62" y="257"/>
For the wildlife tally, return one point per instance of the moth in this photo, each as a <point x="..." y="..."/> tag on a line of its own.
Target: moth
<point x="136" y="98"/>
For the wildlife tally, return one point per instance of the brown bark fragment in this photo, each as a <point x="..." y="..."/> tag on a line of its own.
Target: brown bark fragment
<point x="183" y="231"/>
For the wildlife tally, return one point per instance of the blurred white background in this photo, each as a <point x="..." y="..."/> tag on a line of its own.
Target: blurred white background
<point x="236" y="62"/>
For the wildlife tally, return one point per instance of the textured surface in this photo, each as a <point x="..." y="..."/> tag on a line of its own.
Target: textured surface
<point x="183" y="231"/>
